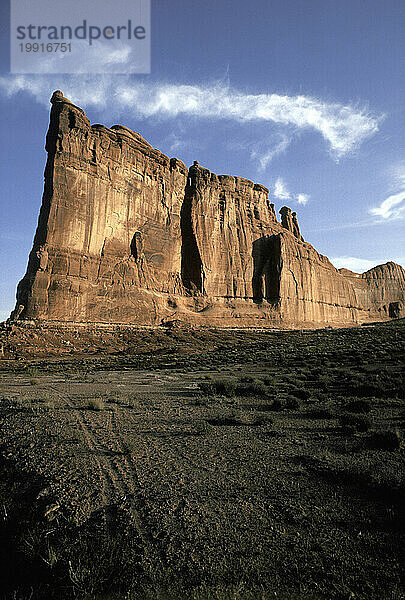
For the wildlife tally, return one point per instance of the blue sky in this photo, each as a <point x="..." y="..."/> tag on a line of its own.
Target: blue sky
<point x="306" y="97"/>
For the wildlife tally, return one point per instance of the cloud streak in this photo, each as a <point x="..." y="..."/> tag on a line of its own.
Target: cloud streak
<point x="343" y="127"/>
<point x="265" y="155"/>
<point x="393" y="207"/>
<point x="282" y="192"/>
<point x="302" y="199"/>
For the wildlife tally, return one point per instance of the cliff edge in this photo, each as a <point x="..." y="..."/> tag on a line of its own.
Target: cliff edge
<point x="129" y="235"/>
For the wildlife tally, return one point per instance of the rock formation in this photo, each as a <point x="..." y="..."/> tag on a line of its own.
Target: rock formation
<point x="290" y="222"/>
<point x="127" y="235"/>
<point x="381" y="289"/>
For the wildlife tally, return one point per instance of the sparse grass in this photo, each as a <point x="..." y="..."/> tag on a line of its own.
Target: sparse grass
<point x="367" y="470"/>
<point x="223" y="511"/>
<point x="292" y="403"/>
<point x="202" y="427"/>
<point x="225" y="387"/>
<point x="129" y="445"/>
<point x="95" y="404"/>
<point x="252" y="387"/>
<point x="354" y="422"/>
<point x="33" y="372"/>
<point x="300" y="393"/>
<point x="319" y="412"/>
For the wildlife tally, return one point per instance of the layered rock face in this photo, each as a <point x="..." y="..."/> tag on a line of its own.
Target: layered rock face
<point x="109" y="226"/>
<point x="381" y="290"/>
<point x="127" y="235"/>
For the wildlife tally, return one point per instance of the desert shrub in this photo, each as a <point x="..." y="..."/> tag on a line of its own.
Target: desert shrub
<point x="113" y="398"/>
<point x="355" y="422"/>
<point x="326" y="381"/>
<point x="367" y="470"/>
<point x="33" y="371"/>
<point x="255" y="387"/>
<point x="95" y="404"/>
<point x="133" y="401"/>
<point x="269" y="380"/>
<point x="129" y="445"/>
<point x="226" y="387"/>
<point x="319" y="412"/>
<point x="277" y="404"/>
<point x="300" y="393"/>
<point x="292" y="403"/>
<point x="207" y="387"/>
<point x="99" y="562"/>
<point x="202" y="427"/>
<point x="49" y="402"/>
<point x="358" y="406"/>
<point x="385" y="383"/>
<point x="384" y="440"/>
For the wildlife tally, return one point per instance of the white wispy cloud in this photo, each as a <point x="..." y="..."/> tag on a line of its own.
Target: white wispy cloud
<point x="344" y="127"/>
<point x="280" y="190"/>
<point x="360" y="265"/>
<point x="264" y="153"/>
<point x="302" y="199"/>
<point x="175" y="142"/>
<point x="393" y="207"/>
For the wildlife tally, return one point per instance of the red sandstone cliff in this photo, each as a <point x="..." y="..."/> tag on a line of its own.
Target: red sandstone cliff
<point x="381" y="290"/>
<point x="127" y="235"/>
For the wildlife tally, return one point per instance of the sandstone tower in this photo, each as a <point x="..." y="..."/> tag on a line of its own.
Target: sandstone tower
<point x="128" y="235"/>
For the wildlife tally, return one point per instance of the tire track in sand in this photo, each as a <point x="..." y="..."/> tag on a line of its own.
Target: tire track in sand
<point x="117" y="472"/>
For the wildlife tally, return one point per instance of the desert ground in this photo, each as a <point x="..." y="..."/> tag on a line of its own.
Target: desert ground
<point x="197" y="464"/>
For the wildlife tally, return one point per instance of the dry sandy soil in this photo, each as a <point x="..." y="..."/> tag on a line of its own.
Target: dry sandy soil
<point x="197" y="464"/>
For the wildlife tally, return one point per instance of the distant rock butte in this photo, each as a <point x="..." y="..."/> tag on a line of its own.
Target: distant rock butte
<point x="127" y="235"/>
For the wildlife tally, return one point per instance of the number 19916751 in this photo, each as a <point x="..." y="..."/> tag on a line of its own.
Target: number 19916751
<point x="49" y="47"/>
